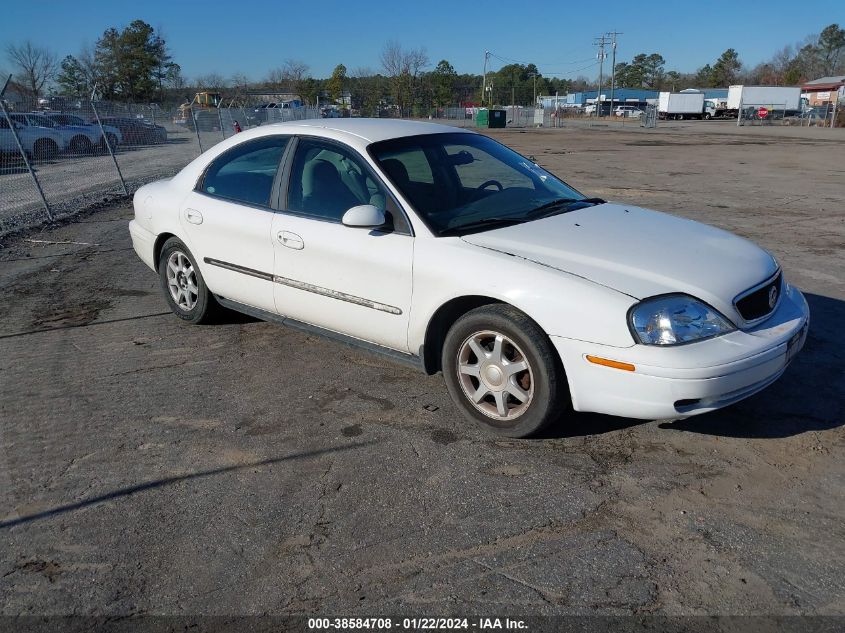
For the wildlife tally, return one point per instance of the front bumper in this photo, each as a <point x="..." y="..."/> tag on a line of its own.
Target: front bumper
<point x="678" y="382"/>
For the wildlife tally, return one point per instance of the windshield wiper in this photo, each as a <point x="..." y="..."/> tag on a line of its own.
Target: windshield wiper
<point x="550" y="208"/>
<point x="485" y="223"/>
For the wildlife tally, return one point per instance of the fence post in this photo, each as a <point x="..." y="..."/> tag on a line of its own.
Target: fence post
<point x="220" y="118"/>
<point x="108" y="142"/>
<point x="22" y="151"/>
<point x="194" y="121"/>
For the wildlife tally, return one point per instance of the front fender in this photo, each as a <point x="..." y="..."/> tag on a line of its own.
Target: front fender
<point x="561" y="303"/>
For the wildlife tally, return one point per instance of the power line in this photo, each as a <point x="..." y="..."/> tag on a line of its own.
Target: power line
<point x="544" y="70"/>
<point x="518" y="61"/>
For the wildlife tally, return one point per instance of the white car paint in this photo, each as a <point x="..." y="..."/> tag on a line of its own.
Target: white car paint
<point x="628" y="111"/>
<point x="576" y="275"/>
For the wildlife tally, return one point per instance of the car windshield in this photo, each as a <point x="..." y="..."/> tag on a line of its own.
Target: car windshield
<point x="462" y="182"/>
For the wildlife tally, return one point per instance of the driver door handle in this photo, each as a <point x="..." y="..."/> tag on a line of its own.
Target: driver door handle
<point x="291" y="240"/>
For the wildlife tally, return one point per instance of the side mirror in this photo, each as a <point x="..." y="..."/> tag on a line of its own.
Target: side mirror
<point x="364" y="216"/>
<point x="461" y="158"/>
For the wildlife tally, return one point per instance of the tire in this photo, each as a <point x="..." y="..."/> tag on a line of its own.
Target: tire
<point x="45" y="149"/>
<point x="178" y="275"/>
<point x="112" y="141"/>
<point x="708" y="116"/>
<point x="80" y="145"/>
<point x="541" y="384"/>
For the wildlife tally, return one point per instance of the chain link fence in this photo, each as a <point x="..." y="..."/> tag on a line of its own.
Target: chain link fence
<point x="768" y="114"/>
<point x="77" y="153"/>
<point x="525" y="117"/>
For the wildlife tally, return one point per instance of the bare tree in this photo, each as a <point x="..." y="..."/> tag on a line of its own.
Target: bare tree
<point x="393" y="58"/>
<point x="35" y="65"/>
<point x="239" y="81"/>
<point x="213" y="82"/>
<point x="294" y="70"/>
<point x="291" y="76"/>
<point x="403" y="68"/>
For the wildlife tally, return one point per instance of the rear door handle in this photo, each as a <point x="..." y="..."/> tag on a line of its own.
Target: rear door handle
<point x="193" y="216"/>
<point x="291" y="240"/>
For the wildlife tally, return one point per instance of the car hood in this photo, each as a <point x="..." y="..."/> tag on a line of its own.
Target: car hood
<point x="638" y="252"/>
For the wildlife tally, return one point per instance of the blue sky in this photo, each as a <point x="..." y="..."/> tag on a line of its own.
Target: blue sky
<point x="254" y="36"/>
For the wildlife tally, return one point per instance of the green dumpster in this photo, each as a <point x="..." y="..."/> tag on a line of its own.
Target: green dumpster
<point x="490" y="118"/>
<point x="497" y="118"/>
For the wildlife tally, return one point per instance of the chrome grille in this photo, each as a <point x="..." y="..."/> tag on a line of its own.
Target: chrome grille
<point x="761" y="301"/>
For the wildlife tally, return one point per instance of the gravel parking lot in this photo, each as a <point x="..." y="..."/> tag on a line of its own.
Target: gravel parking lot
<point x="151" y="467"/>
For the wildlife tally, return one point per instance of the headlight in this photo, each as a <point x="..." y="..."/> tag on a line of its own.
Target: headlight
<point x="675" y="319"/>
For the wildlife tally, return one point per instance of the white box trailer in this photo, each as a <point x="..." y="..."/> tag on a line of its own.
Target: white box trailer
<point x="778" y="99"/>
<point x="680" y="105"/>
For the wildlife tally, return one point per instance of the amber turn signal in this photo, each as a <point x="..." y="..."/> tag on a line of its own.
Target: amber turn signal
<point x="610" y="363"/>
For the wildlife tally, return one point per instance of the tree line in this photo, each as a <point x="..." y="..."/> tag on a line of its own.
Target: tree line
<point x="817" y="56"/>
<point x="134" y="64"/>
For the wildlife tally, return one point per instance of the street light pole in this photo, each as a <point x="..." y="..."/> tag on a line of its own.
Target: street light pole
<point x="534" y="75"/>
<point x="600" y="42"/>
<point x="484" y="81"/>
<point x="613" y="66"/>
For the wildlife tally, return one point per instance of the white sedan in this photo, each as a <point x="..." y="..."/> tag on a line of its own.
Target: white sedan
<point x="628" y="111"/>
<point x="445" y="249"/>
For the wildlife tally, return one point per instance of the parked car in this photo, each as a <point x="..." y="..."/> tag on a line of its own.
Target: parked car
<point x="816" y="112"/>
<point x="137" y="131"/>
<point x="39" y="140"/>
<point x="628" y="111"/>
<point x="78" y="139"/>
<point x="71" y="120"/>
<point x="444" y="249"/>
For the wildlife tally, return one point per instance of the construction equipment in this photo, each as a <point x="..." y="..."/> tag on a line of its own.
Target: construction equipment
<point x="202" y="111"/>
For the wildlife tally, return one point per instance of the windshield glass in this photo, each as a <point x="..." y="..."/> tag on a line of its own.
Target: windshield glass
<point x="469" y="180"/>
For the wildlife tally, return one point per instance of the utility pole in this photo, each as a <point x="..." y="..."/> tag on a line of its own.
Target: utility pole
<point x="613" y="35"/>
<point x="534" y="75"/>
<point x="601" y="42"/>
<point x="484" y="81"/>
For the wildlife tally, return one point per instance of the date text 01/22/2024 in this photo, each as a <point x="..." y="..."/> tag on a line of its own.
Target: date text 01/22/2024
<point x="416" y="624"/>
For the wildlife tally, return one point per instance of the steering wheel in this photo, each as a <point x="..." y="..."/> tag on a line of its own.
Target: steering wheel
<point x="487" y="183"/>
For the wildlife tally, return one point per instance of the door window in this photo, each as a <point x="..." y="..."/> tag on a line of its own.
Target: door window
<point x="327" y="180"/>
<point x="246" y="172"/>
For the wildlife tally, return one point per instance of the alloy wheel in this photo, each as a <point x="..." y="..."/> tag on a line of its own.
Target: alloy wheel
<point x="495" y="375"/>
<point x="182" y="280"/>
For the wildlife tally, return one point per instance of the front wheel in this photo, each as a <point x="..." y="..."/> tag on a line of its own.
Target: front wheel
<point x="502" y="371"/>
<point x="45" y="149"/>
<point x="183" y="285"/>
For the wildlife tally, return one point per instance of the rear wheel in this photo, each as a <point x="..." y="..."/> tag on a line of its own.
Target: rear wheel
<point x="80" y="145"/>
<point x="183" y="285"/>
<point x="502" y="371"/>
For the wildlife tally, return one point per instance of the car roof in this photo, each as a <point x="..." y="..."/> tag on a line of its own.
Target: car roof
<point x="370" y="130"/>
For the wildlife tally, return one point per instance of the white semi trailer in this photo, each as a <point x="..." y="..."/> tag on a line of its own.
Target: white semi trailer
<point x="680" y="105"/>
<point x="779" y="100"/>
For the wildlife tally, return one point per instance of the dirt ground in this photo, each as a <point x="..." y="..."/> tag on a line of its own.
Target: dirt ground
<point x="151" y="467"/>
